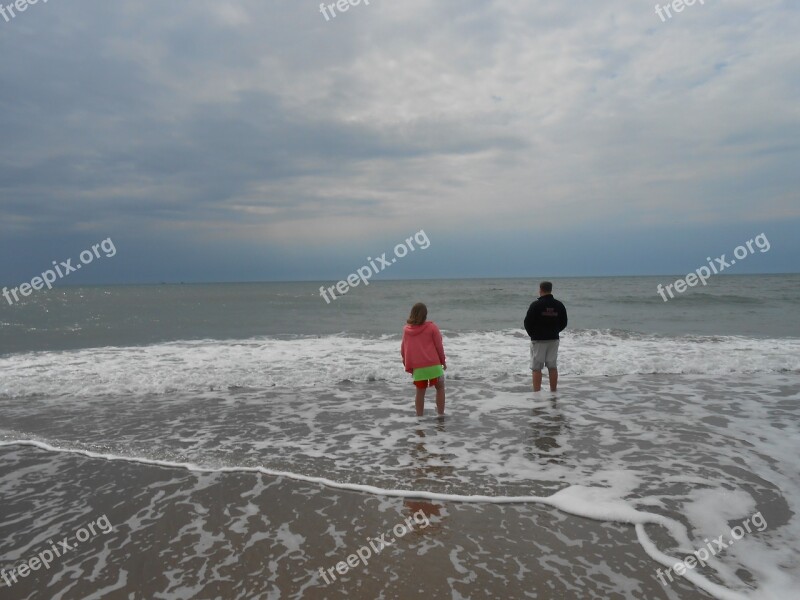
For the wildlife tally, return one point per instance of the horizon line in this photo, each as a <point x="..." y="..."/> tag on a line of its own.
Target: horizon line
<point x="387" y="280"/>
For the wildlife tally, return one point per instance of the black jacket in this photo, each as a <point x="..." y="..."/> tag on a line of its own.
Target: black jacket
<point x="546" y="318"/>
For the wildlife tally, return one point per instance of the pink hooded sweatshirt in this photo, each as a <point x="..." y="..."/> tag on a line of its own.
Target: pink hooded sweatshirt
<point x="422" y="346"/>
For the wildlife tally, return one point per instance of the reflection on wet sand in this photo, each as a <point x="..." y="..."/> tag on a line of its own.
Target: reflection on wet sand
<point x="429" y="509"/>
<point x="546" y="426"/>
<point x="427" y="465"/>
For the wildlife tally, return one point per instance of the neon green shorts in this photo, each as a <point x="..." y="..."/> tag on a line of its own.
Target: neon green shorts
<point x="428" y="373"/>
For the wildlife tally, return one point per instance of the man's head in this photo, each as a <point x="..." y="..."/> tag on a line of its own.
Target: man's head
<point x="545" y="287"/>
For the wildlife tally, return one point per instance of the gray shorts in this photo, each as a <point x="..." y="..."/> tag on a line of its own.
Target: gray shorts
<point x="544" y="354"/>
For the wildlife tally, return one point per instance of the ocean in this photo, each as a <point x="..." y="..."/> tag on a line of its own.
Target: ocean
<point x="245" y="439"/>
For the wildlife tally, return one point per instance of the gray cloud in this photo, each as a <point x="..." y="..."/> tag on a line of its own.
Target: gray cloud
<point x="261" y="120"/>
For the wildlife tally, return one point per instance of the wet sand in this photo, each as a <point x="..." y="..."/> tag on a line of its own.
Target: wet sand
<point x="184" y="534"/>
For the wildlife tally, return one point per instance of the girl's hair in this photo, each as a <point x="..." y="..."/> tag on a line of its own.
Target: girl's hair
<point x="419" y="312"/>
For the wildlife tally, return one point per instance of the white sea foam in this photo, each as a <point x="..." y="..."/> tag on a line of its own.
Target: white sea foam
<point x="601" y="504"/>
<point x="329" y="360"/>
<point x="631" y="448"/>
<point x="686" y="456"/>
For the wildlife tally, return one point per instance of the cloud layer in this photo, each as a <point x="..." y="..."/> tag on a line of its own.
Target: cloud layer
<point x="252" y="124"/>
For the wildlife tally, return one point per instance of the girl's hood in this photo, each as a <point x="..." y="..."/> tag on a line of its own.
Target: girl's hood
<point x="417" y="329"/>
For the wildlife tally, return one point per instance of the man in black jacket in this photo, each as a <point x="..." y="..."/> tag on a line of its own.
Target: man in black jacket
<point x="546" y="318"/>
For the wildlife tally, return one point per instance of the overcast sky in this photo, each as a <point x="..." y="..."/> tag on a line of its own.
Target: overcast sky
<point x="256" y="140"/>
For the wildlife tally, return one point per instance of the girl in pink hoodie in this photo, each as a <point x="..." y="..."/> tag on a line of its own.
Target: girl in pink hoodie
<point x="423" y="356"/>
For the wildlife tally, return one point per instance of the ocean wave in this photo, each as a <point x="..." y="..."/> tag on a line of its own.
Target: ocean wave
<point x="325" y="361"/>
<point x="703" y="298"/>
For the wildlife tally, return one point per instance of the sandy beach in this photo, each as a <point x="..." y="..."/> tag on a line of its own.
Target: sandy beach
<point x="219" y="526"/>
<point x="179" y="534"/>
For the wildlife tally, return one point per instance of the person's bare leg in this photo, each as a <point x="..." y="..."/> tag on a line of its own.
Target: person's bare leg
<point x="553" y="375"/>
<point x="420" y="401"/>
<point x="440" y="396"/>
<point x="537" y="381"/>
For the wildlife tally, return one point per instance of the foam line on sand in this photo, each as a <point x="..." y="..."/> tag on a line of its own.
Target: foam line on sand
<point x="596" y="503"/>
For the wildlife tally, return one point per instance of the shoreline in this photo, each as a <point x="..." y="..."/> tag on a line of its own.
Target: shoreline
<point x="237" y="509"/>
